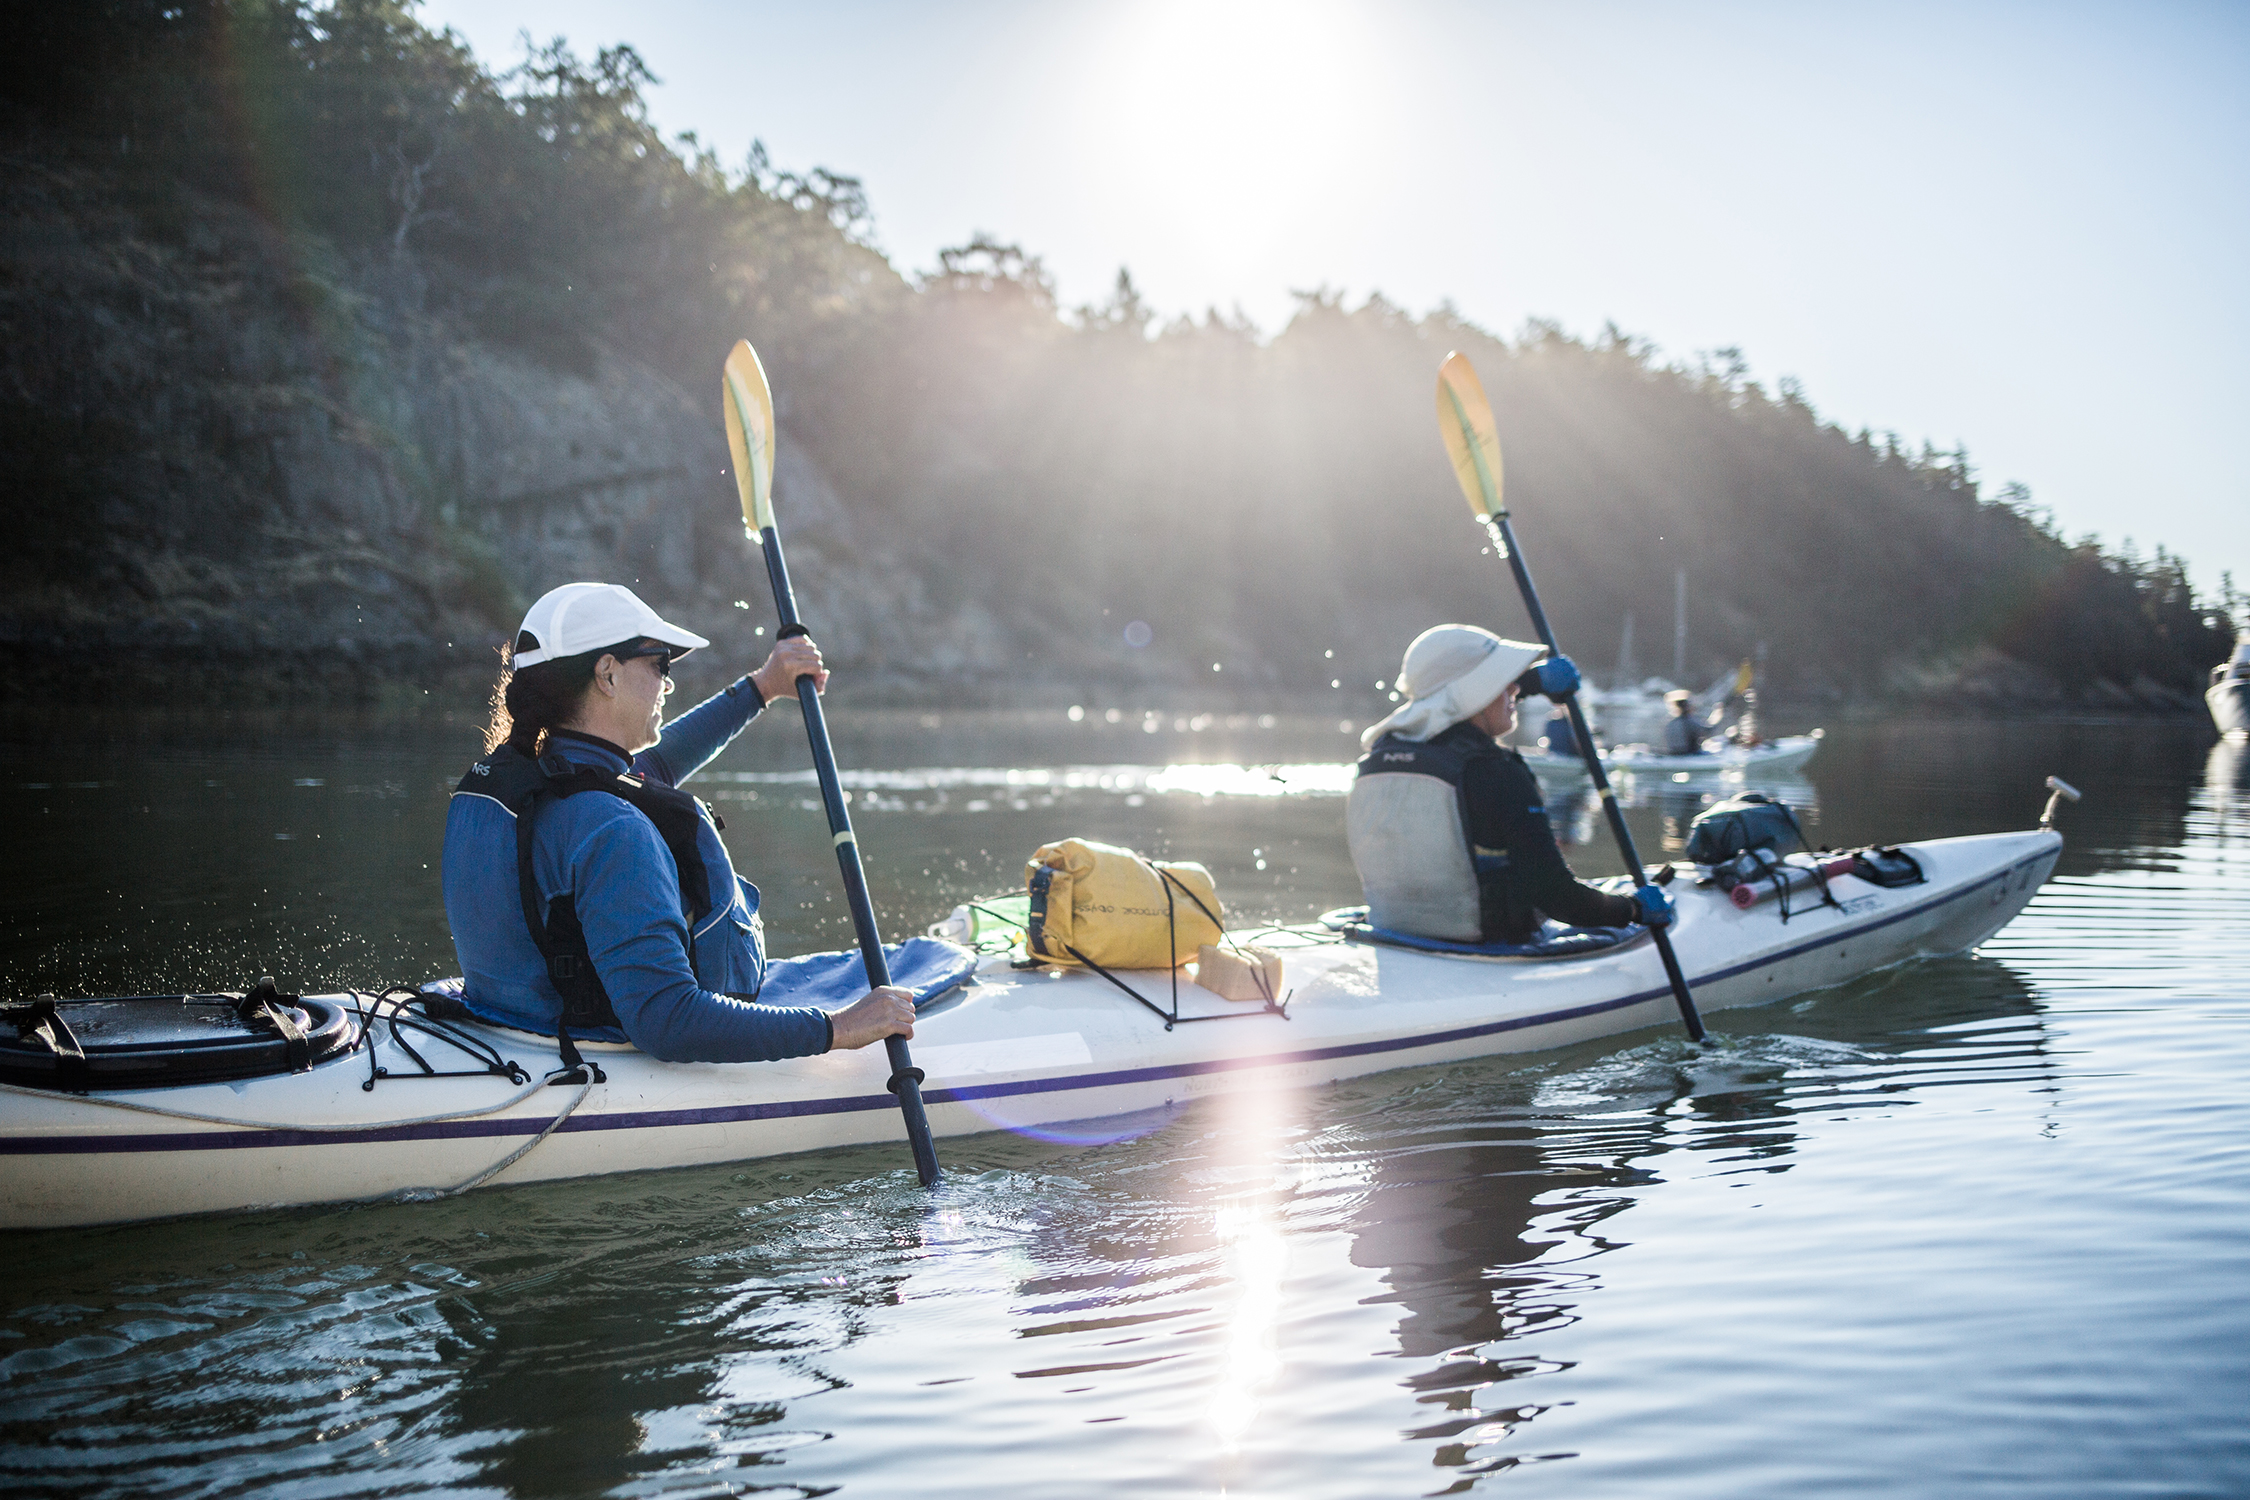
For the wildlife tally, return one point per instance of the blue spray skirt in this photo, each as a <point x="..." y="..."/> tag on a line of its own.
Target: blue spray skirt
<point x="925" y="966"/>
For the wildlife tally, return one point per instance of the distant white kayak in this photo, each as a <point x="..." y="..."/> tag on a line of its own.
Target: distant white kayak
<point x="1785" y="754"/>
<point x="380" y="1106"/>
<point x="2229" y="694"/>
<point x="2229" y="703"/>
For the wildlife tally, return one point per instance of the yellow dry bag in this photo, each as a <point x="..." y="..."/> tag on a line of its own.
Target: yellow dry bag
<point x="1101" y="904"/>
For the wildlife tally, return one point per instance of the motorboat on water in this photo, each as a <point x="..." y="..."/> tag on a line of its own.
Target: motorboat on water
<point x="2229" y="693"/>
<point x="1769" y="756"/>
<point x="404" y="1095"/>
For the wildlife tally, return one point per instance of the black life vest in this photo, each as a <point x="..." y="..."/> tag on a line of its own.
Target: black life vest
<point x="523" y="786"/>
<point x="1413" y="825"/>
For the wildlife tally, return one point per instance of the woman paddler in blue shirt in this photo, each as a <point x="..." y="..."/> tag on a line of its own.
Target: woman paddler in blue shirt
<point x="588" y="896"/>
<point x="1448" y="827"/>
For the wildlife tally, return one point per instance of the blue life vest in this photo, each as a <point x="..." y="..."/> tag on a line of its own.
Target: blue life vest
<point x="523" y="786"/>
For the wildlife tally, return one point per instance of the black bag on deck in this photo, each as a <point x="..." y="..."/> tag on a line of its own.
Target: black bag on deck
<point x="1887" y="866"/>
<point x="1746" y="821"/>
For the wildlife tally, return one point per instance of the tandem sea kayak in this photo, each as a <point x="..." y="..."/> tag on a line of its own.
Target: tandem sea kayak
<point x="401" y="1096"/>
<point x="1785" y="754"/>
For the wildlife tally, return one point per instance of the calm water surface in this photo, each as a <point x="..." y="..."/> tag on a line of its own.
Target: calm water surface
<point x="1970" y="1227"/>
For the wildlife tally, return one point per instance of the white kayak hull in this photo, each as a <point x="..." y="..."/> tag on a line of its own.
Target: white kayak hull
<point x="1788" y="753"/>
<point x="1016" y="1050"/>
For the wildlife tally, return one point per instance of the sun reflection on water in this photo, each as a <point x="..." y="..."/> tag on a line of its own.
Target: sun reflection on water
<point x="1247" y="1224"/>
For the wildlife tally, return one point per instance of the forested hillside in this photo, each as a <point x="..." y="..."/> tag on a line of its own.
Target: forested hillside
<point x="326" y="346"/>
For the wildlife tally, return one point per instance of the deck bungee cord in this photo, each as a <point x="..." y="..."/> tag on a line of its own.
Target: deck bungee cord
<point x="1040" y="886"/>
<point x="385" y="1011"/>
<point x="367" y="1005"/>
<point x="437" y="1009"/>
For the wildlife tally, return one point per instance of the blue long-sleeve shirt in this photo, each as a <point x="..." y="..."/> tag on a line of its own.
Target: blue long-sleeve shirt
<point x="625" y="886"/>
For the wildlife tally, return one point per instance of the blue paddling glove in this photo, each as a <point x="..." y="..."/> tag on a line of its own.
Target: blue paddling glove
<point x="1556" y="678"/>
<point x="1656" y="908"/>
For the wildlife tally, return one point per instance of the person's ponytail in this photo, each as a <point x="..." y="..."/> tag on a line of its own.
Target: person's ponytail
<point x="528" y="703"/>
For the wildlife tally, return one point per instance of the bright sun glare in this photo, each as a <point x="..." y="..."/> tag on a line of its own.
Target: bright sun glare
<point x="1232" y="131"/>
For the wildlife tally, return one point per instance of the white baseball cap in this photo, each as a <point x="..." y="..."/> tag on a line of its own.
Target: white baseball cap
<point x="581" y="617"/>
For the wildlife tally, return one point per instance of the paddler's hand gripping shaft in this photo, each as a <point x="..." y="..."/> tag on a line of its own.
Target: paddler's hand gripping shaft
<point x="1473" y="443"/>
<point x="749" y="415"/>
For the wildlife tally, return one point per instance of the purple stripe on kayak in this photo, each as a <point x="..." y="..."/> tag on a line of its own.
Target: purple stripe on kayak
<point x="233" y="1140"/>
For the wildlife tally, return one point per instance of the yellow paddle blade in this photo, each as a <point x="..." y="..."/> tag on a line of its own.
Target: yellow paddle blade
<point x="749" y="404"/>
<point x="1743" y="677"/>
<point x="1471" y="440"/>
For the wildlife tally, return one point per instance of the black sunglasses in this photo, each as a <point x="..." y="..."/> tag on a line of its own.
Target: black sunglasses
<point x="661" y="654"/>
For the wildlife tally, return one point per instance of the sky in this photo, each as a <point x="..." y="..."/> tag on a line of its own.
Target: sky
<point x="2014" y="227"/>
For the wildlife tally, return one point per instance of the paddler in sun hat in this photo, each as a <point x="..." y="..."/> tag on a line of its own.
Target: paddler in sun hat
<point x="1448" y="826"/>
<point x="590" y="897"/>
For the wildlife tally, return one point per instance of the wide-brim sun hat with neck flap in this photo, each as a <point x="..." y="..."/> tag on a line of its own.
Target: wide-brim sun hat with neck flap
<point x="1449" y="674"/>
<point x="581" y="617"/>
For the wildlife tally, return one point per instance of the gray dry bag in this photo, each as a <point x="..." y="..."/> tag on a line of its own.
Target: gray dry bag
<point x="1746" y="821"/>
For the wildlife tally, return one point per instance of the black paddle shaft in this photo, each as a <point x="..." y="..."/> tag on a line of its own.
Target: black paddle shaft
<point x="1504" y="537"/>
<point x="906" y="1079"/>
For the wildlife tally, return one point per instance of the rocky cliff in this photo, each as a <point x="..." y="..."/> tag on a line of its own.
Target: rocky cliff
<point x="226" y="446"/>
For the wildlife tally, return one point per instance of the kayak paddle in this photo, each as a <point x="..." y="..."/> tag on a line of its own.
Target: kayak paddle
<point x="1473" y="443"/>
<point x="750" y="434"/>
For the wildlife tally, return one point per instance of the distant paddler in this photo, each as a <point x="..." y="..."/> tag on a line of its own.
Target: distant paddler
<point x="1682" y="735"/>
<point x="1448" y="826"/>
<point x="1556" y="736"/>
<point x="589" y="896"/>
